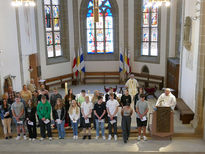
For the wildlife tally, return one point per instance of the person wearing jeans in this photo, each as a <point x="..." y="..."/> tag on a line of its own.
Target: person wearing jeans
<point x="5" y="115"/>
<point x="75" y="129"/>
<point x="59" y="117"/>
<point x="44" y="113"/>
<point x="112" y="109"/>
<point x="99" y="112"/>
<point x="74" y="113"/>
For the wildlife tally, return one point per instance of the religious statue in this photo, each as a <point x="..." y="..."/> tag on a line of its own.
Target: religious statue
<point x="187" y="33"/>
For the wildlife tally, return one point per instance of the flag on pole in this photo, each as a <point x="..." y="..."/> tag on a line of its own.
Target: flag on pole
<point x="128" y="63"/>
<point x="121" y="61"/>
<point x="78" y="61"/>
<point x="75" y="69"/>
<point x="125" y="61"/>
<point x="82" y="62"/>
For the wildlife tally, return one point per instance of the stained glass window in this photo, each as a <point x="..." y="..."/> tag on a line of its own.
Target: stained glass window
<point x="52" y="27"/>
<point x="149" y="29"/>
<point x="100" y="34"/>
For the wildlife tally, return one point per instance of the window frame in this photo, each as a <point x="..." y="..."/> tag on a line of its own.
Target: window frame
<point x="138" y="31"/>
<point x="64" y="34"/>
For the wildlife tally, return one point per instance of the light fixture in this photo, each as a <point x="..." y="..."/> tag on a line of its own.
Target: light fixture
<point x="159" y="3"/>
<point x="26" y="3"/>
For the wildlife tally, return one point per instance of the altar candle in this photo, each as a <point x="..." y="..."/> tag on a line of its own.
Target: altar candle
<point x="66" y="88"/>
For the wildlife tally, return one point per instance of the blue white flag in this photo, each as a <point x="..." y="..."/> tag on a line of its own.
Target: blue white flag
<point x="82" y="62"/>
<point x="121" y="61"/>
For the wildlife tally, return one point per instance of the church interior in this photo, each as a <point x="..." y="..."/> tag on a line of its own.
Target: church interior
<point x="99" y="45"/>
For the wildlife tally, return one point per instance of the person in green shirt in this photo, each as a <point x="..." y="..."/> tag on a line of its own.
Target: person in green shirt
<point x="44" y="113"/>
<point x="81" y="98"/>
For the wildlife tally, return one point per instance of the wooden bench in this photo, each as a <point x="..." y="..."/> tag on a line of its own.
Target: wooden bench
<point x="148" y="78"/>
<point x="60" y="80"/>
<point x="186" y="114"/>
<point x="104" y="77"/>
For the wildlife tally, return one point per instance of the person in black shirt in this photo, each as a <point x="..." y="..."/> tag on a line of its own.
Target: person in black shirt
<point x="107" y="96"/>
<point x="43" y="92"/>
<point x="54" y="97"/>
<point x="31" y="120"/>
<point x="126" y="98"/>
<point x="99" y="111"/>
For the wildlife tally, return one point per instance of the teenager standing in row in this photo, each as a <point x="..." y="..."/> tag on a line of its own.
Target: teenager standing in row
<point x="112" y="110"/>
<point x="100" y="111"/>
<point x="31" y="120"/>
<point x="74" y="113"/>
<point x="44" y="113"/>
<point x="59" y="117"/>
<point x="86" y="110"/>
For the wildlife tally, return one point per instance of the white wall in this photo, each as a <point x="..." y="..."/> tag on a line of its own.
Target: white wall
<point x="189" y="60"/>
<point x="28" y="38"/>
<point x="9" y="59"/>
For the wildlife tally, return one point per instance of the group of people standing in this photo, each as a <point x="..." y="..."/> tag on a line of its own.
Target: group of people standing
<point x="30" y="106"/>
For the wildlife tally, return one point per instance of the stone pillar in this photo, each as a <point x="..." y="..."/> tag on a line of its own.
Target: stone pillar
<point x="198" y="121"/>
<point x="173" y="11"/>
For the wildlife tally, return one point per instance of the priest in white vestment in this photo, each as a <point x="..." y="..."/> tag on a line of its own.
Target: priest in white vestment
<point x="132" y="86"/>
<point x="167" y="99"/>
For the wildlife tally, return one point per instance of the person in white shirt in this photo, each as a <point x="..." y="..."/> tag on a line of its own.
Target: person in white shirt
<point x="132" y="86"/>
<point x="74" y="113"/>
<point x="112" y="110"/>
<point x="167" y="99"/>
<point x="86" y="110"/>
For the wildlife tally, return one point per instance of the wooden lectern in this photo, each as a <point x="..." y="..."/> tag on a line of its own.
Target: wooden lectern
<point x="162" y="123"/>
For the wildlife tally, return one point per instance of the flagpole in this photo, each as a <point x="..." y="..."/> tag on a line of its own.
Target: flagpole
<point x="80" y="67"/>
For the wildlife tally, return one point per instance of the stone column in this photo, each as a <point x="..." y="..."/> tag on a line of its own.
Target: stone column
<point x="198" y="121"/>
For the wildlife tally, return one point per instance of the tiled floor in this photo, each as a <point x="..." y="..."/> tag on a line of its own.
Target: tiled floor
<point x="100" y="147"/>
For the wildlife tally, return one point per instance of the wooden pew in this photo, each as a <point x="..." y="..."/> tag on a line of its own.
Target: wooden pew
<point x="104" y="77"/>
<point x="148" y="78"/>
<point x="60" y="80"/>
<point x="186" y="114"/>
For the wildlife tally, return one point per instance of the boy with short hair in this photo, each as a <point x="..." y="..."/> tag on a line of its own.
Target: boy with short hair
<point x="44" y="113"/>
<point x="141" y="110"/>
<point x="86" y="109"/>
<point x="19" y="115"/>
<point x="99" y="111"/>
<point x="112" y="109"/>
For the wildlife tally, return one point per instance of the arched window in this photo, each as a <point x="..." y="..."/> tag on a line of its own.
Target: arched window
<point x="100" y="37"/>
<point x="147" y="31"/>
<point x="100" y="34"/>
<point x="52" y="26"/>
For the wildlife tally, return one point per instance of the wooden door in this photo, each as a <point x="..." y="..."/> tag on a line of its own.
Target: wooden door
<point x="34" y="68"/>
